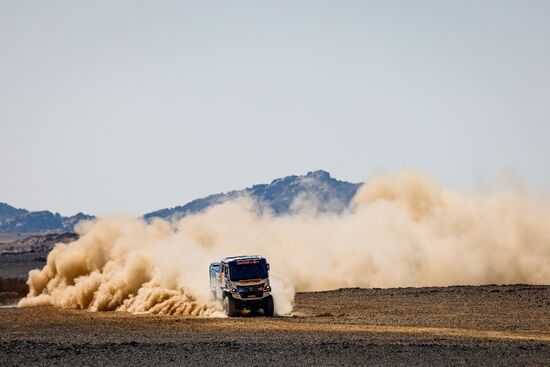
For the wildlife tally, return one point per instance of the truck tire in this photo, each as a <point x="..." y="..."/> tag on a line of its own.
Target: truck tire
<point x="230" y="306"/>
<point x="268" y="306"/>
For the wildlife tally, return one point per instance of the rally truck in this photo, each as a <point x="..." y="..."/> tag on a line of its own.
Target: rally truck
<point x="242" y="283"/>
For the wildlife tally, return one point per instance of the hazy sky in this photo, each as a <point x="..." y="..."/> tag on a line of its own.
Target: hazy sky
<point x="135" y="106"/>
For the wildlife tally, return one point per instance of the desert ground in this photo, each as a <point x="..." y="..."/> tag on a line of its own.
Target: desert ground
<point x="453" y="326"/>
<point x="450" y="326"/>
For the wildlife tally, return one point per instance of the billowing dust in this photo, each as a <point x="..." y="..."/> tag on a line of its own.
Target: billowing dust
<point x="401" y="230"/>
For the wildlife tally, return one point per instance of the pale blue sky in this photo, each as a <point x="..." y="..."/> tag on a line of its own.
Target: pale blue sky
<point x="134" y="106"/>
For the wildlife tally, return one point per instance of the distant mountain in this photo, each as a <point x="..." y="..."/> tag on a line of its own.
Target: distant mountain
<point x="317" y="190"/>
<point x="14" y="220"/>
<point x="7" y="211"/>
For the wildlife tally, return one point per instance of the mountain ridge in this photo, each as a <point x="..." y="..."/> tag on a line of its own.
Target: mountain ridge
<point x="282" y="196"/>
<point x="16" y="220"/>
<point x="317" y="190"/>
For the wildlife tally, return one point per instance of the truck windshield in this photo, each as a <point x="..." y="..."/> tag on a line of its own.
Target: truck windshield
<point x="248" y="270"/>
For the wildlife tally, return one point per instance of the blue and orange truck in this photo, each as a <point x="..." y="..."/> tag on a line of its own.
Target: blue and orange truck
<point x="242" y="283"/>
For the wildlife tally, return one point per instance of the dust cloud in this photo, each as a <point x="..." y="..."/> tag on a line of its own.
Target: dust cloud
<point x="401" y="230"/>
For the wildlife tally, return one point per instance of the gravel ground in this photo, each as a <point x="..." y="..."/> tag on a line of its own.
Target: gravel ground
<point x="453" y="326"/>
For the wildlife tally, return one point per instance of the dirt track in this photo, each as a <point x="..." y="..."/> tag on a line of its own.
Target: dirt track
<point x="489" y="325"/>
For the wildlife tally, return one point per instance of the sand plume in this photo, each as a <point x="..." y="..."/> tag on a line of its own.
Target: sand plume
<point x="401" y="230"/>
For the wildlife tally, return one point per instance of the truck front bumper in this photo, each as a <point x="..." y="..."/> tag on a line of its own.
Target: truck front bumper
<point x="250" y="296"/>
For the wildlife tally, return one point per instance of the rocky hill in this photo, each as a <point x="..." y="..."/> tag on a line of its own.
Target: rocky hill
<point x="14" y="220"/>
<point x="315" y="191"/>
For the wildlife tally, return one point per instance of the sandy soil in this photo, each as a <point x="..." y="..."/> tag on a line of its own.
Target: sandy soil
<point x="487" y="325"/>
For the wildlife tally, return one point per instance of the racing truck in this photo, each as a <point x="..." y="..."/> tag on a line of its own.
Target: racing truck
<point x="242" y="283"/>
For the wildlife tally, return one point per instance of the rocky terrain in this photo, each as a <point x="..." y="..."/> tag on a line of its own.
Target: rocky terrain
<point x="35" y="243"/>
<point x="452" y="326"/>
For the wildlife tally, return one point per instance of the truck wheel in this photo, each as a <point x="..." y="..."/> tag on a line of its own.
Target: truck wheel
<point x="230" y="307"/>
<point x="268" y="306"/>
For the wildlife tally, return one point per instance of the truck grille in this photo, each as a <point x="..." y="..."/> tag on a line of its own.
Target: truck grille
<point x="250" y="291"/>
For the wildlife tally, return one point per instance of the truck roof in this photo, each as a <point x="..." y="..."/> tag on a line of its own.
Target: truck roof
<point x="242" y="257"/>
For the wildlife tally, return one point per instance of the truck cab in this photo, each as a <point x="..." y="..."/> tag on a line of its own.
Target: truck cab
<point x="242" y="283"/>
